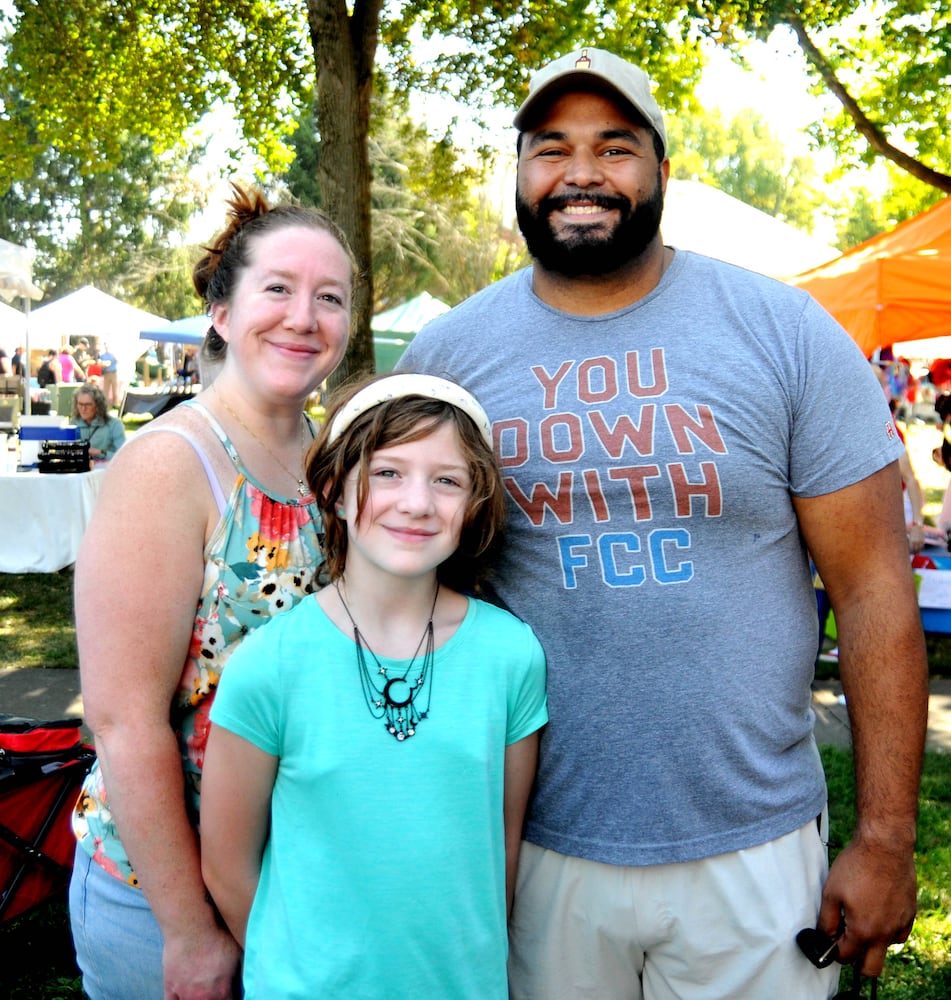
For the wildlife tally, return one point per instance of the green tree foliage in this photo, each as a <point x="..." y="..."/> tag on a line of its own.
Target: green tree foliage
<point x="887" y="62"/>
<point x="860" y="214"/>
<point x="485" y="52"/>
<point x="743" y="158"/>
<point x="92" y="71"/>
<point x="434" y="229"/>
<point x="112" y="228"/>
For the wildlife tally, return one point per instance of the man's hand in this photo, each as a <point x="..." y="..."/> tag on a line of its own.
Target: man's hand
<point x="870" y="896"/>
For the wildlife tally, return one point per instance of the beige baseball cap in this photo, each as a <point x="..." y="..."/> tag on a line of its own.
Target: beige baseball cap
<point x="628" y="80"/>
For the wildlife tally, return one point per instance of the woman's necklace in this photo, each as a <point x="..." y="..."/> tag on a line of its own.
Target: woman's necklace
<point x="395" y="702"/>
<point x="301" y="485"/>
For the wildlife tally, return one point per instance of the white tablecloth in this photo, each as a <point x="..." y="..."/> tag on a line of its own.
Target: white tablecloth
<point x="44" y="517"/>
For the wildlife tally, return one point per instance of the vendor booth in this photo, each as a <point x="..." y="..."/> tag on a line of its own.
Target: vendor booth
<point x="101" y="319"/>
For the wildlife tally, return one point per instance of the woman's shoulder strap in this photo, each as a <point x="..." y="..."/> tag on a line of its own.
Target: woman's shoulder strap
<point x="221" y="501"/>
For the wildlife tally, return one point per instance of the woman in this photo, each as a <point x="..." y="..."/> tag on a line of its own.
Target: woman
<point x="206" y="509"/>
<point x="105" y="433"/>
<point x="71" y="372"/>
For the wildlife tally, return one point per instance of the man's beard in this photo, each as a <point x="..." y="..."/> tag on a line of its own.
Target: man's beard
<point x="589" y="250"/>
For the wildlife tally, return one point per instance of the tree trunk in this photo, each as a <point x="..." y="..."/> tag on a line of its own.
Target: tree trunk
<point x="344" y="52"/>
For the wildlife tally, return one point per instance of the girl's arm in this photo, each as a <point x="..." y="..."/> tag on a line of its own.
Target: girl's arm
<point x="236" y="784"/>
<point x="521" y="759"/>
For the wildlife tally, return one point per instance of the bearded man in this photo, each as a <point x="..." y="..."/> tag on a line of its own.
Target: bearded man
<point x="678" y="436"/>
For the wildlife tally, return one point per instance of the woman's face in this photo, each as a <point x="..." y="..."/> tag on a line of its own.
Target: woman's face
<point x="85" y="406"/>
<point x="288" y="318"/>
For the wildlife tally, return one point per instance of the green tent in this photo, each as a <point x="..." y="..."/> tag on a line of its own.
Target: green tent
<point x="395" y="328"/>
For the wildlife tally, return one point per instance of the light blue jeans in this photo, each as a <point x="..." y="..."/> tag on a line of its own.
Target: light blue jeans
<point x="117" y="940"/>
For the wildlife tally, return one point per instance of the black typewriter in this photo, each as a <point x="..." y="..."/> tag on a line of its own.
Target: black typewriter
<point x="64" y="456"/>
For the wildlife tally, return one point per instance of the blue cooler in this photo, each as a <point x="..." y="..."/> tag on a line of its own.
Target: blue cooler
<point x="33" y="434"/>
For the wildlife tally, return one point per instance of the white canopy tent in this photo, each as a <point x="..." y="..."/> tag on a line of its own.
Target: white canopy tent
<point x="16" y="281"/>
<point x="90" y="313"/>
<point x="12" y="328"/>
<point x="703" y="218"/>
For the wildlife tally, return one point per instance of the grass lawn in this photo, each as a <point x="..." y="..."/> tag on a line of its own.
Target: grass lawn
<point x="36" y="620"/>
<point x="921" y="968"/>
<point x="36" y="628"/>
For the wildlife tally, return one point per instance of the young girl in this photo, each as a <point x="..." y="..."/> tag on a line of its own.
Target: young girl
<point x="365" y="798"/>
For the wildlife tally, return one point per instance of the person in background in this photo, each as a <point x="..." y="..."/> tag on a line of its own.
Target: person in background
<point x="912" y="495"/>
<point x="204" y="530"/>
<point x="81" y="355"/>
<point x="5" y="368"/>
<point x="362" y="703"/>
<point x="939" y="375"/>
<point x="105" y="433"/>
<point x="675" y="440"/>
<point x="188" y="371"/>
<point x="17" y="363"/>
<point x="94" y="370"/>
<point x="49" y="371"/>
<point x="110" y="376"/>
<point x="71" y="371"/>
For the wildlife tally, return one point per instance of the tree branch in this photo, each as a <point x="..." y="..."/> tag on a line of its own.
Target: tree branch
<point x="872" y="133"/>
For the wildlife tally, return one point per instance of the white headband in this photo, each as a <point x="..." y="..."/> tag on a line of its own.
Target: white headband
<point x="410" y="384"/>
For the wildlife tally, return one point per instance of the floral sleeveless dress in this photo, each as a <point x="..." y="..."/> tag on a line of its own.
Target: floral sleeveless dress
<point x="260" y="561"/>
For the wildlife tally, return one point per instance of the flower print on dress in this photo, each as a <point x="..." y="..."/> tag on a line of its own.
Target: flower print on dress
<point x="198" y="739"/>
<point x="267" y="553"/>
<point x="206" y="654"/>
<point x="100" y="857"/>
<point x="276" y="521"/>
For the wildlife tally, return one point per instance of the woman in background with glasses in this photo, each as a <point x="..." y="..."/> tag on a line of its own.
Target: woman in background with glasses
<point x="105" y="433"/>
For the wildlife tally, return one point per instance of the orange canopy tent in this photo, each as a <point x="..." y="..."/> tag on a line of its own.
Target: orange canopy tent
<point x="895" y="286"/>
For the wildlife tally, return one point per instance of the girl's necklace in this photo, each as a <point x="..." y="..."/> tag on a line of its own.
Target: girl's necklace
<point x="301" y="485"/>
<point x="395" y="702"/>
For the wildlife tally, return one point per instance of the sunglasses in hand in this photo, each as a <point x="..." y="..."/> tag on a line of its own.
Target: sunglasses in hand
<point x="822" y="950"/>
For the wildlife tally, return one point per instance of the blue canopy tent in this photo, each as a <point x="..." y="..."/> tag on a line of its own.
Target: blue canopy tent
<point x="186" y="332"/>
<point x="190" y="330"/>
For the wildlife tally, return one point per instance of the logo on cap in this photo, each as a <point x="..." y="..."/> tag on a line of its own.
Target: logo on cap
<point x="584" y="62"/>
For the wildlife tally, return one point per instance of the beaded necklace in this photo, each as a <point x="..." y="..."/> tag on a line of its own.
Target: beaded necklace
<point x="395" y="702"/>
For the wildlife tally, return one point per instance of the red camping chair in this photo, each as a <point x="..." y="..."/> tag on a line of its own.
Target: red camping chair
<point x="42" y="765"/>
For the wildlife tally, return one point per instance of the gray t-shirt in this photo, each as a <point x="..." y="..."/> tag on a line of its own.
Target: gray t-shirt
<point x="650" y="457"/>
